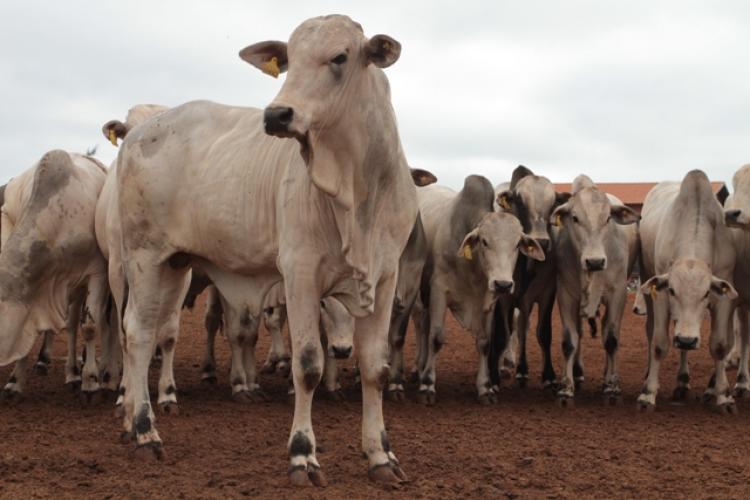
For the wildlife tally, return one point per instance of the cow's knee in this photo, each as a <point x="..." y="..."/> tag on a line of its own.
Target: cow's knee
<point x="611" y="344"/>
<point x="438" y="339"/>
<point x="312" y="366"/>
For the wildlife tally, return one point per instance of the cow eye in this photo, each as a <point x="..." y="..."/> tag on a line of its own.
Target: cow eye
<point x="706" y="296"/>
<point x="609" y="219"/>
<point x="575" y="219"/>
<point x="484" y="242"/>
<point x="339" y="59"/>
<point x="671" y="291"/>
<point x="322" y="304"/>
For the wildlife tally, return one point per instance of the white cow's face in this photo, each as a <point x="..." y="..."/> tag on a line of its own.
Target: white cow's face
<point x="689" y="287"/>
<point x="327" y="60"/>
<point x="338" y="326"/>
<point x="586" y="217"/>
<point x="495" y="244"/>
<point x="737" y="206"/>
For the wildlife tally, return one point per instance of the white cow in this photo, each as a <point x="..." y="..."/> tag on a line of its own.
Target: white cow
<point x="595" y="243"/>
<point x="52" y="276"/>
<point x="328" y="210"/>
<point x="472" y="252"/>
<point x="687" y="264"/>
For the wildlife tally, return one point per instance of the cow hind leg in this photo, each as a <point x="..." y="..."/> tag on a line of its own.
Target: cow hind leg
<point x="213" y="322"/>
<point x="250" y="328"/>
<point x="397" y="337"/>
<point x="93" y="325"/>
<point x="72" y="367"/>
<point x="277" y="359"/>
<point x="682" y="389"/>
<point x="13" y="390"/>
<point x="721" y="342"/>
<point x="436" y="340"/>
<point x="544" y="337"/>
<point x="167" y="340"/>
<point x="520" y="324"/>
<point x="41" y="367"/>
<point x="742" y="386"/>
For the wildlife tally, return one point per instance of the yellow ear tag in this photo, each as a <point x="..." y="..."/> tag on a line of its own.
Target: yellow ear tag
<point x="531" y="248"/>
<point x="653" y="291"/>
<point x="467" y="252"/>
<point x="504" y="203"/>
<point x="558" y="221"/>
<point x="112" y="137"/>
<point x="724" y="289"/>
<point x="271" y="67"/>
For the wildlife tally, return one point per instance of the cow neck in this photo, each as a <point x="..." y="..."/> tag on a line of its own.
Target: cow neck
<point x="361" y="166"/>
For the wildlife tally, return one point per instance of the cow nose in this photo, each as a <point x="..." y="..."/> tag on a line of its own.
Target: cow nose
<point x="544" y="243"/>
<point x="732" y="215"/>
<point x="277" y="120"/>
<point x="594" y="264"/>
<point x="340" y="352"/>
<point x="503" y="286"/>
<point x="685" y="343"/>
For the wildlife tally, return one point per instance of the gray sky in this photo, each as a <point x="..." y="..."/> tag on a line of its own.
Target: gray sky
<point x="623" y="91"/>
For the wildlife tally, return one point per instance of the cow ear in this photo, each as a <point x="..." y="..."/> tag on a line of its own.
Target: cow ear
<point x="556" y="219"/>
<point x="113" y="130"/>
<point x="269" y="57"/>
<point x="653" y="285"/>
<point x="422" y="177"/>
<point x="624" y="215"/>
<point x="723" y="288"/>
<point x="561" y="198"/>
<point x="505" y="200"/>
<point x="519" y="173"/>
<point x="382" y="50"/>
<point x="466" y="250"/>
<point x="531" y="248"/>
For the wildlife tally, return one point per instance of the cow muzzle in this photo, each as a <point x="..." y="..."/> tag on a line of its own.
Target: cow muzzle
<point x="686" y="343"/>
<point x="501" y="286"/>
<point x="276" y="120"/>
<point x="595" y="264"/>
<point x="341" y="351"/>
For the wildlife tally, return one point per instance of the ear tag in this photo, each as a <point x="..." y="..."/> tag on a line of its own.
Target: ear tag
<point x="558" y="221"/>
<point x="467" y="252"/>
<point x="653" y="291"/>
<point x="504" y="203"/>
<point x="112" y="137"/>
<point x="530" y="248"/>
<point x="271" y="67"/>
<point x="386" y="45"/>
<point x="724" y="289"/>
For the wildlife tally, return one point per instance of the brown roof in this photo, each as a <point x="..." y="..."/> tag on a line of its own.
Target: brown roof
<point x="631" y="193"/>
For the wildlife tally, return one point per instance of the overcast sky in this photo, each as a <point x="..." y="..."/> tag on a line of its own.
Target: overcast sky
<point x="623" y="91"/>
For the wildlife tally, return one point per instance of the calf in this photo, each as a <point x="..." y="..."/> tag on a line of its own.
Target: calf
<point x="472" y="253"/>
<point x="595" y="245"/>
<point x="687" y="263"/>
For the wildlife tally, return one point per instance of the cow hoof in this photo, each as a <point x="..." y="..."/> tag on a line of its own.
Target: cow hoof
<point x="426" y="398"/>
<point x="127" y="437"/>
<point x="284" y="368"/>
<point x="12" y="397"/>
<point x="566" y="402"/>
<point x="387" y="474"/>
<point x="89" y="398"/>
<point x="488" y="398"/>
<point x="169" y="408"/>
<point x="727" y="409"/>
<point x="707" y="398"/>
<point x="505" y="373"/>
<point x="413" y="377"/>
<point x="209" y="379"/>
<point x="680" y="393"/>
<point x="41" y="369"/>
<point x="250" y="396"/>
<point x="269" y="368"/>
<point x="396" y="395"/>
<point x="578" y="383"/>
<point x="741" y="393"/>
<point x="645" y="407"/>
<point x="522" y="381"/>
<point x="75" y="386"/>
<point x="119" y="411"/>
<point x="613" y="400"/>
<point x="149" y="451"/>
<point x="335" y="395"/>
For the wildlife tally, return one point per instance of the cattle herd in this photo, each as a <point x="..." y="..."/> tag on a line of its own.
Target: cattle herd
<point x="307" y="212"/>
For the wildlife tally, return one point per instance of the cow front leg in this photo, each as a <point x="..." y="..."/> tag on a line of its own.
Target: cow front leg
<point x="72" y="367"/>
<point x="371" y="338"/>
<point x="250" y="325"/>
<point x="397" y="338"/>
<point x="485" y="392"/>
<point x="41" y="367"/>
<point x="167" y="399"/>
<point x="611" y="343"/>
<point x="436" y="339"/>
<point x="92" y="327"/>
<point x="720" y="344"/>
<point x="242" y="331"/>
<point x="13" y="390"/>
<point x="657" y="332"/>
<point x="111" y="361"/>
<point x="544" y="338"/>
<point x="742" y="386"/>
<point x="569" y="310"/>
<point x="682" y="389"/>
<point x="213" y="321"/>
<point x="520" y="328"/>
<point x="278" y="357"/>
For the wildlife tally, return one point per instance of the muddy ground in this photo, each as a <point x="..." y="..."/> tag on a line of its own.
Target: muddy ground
<point x="525" y="446"/>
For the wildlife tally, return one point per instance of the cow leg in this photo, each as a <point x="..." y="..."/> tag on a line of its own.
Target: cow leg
<point x="485" y="392"/>
<point x="742" y="387"/>
<point x="72" y="368"/>
<point x="721" y="342"/>
<point x="41" y="367"/>
<point x="13" y="390"/>
<point x="250" y="331"/>
<point x="421" y="322"/>
<point x="242" y="333"/>
<point x="93" y="326"/>
<point x="578" y="362"/>
<point x="544" y="337"/>
<point x="213" y="321"/>
<point x="278" y="357"/>
<point x="682" y="389"/>
<point x="371" y="341"/>
<point x="657" y="332"/>
<point x="331" y="378"/>
<point x="508" y="359"/>
<point x="111" y="361"/>
<point x="611" y="341"/>
<point x="154" y="301"/>
<point x="397" y="337"/>
<point x="520" y="331"/>
<point x="167" y="340"/>
<point x="569" y="309"/>
<point x="435" y="342"/>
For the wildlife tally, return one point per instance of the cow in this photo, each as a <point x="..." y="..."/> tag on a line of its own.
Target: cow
<point x="595" y="241"/>
<point x="532" y="198"/>
<point x="687" y="261"/>
<point x="313" y="191"/>
<point x="52" y="276"/>
<point x="472" y="252"/>
<point x="737" y="218"/>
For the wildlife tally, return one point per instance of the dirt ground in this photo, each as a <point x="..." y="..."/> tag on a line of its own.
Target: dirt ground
<point x="523" y="447"/>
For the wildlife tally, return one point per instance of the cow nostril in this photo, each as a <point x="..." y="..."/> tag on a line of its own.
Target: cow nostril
<point x="685" y="343"/>
<point x="503" y="286"/>
<point x="276" y="120"/>
<point x="595" y="264"/>
<point x="732" y="215"/>
<point x="341" y="352"/>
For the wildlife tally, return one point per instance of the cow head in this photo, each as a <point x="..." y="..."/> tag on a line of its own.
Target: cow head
<point x="531" y="198"/>
<point x="115" y="129"/>
<point x="338" y="326"/>
<point x="737" y="206"/>
<point x="494" y="245"/>
<point x="689" y="287"/>
<point x="586" y="217"/>
<point x="331" y="88"/>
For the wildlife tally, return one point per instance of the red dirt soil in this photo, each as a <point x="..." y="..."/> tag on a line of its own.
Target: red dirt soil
<point x="525" y="446"/>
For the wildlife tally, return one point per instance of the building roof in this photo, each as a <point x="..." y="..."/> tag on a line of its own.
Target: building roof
<point x="633" y="193"/>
